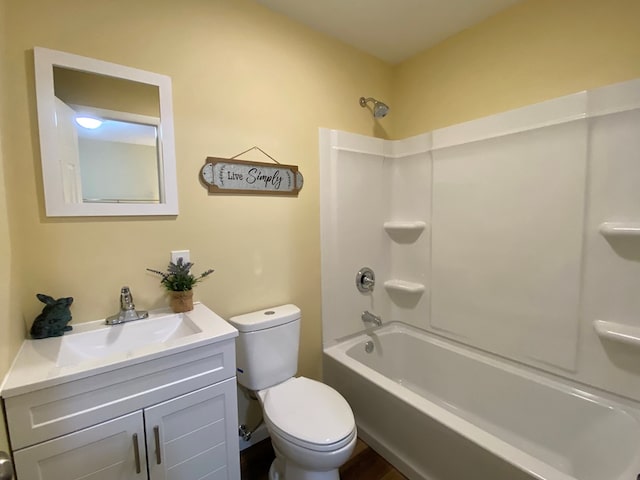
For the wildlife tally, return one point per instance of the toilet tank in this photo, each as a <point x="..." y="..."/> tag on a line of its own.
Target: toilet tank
<point x="267" y="346"/>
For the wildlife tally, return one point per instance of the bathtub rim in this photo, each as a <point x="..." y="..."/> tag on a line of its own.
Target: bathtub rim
<point x="526" y="462"/>
<point x="631" y="405"/>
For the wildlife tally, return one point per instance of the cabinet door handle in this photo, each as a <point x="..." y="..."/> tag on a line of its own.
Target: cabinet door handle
<point x="156" y="434"/>
<point x="6" y="467"/>
<point x="136" y="452"/>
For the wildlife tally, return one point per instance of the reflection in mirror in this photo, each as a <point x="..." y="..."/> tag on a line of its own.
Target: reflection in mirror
<point x="106" y="136"/>
<point x="118" y="162"/>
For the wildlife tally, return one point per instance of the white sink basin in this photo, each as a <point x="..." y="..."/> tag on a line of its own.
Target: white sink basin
<point x="93" y="348"/>
<point x="97" y="340"/>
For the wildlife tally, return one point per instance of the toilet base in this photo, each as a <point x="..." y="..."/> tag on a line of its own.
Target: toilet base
<point x="284" y="468"/>
<point x="276" y="471"/>
<point x="291" y="472"/>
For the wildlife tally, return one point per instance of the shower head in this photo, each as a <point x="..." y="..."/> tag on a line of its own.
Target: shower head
<point x="380" y="109"/>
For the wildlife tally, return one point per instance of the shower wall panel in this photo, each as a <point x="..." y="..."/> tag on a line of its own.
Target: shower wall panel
<point x="410" y="250"/>
<point x="515" y="258"/>
<point x="611" y="288"/>
<point x="507" y="242"/>
<point x="352" y="212"/>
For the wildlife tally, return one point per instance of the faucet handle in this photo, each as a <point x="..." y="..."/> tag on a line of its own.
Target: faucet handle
<point x="127" y="311"/>
<point x="126" y="299"/>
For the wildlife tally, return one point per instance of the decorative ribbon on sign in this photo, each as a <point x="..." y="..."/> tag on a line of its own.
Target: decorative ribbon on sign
<point x="229" y="175"/>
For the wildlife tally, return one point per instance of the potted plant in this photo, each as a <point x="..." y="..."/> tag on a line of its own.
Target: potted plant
<point x="179" y="282"/>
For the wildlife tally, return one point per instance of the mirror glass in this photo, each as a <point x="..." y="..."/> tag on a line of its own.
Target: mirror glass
<point x="106" y="137"/>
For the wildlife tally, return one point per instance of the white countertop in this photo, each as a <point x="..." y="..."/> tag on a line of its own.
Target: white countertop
<point x="38" y="362"/>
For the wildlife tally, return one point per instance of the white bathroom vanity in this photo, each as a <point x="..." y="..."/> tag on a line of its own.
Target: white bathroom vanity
<point x="150" y="399"/>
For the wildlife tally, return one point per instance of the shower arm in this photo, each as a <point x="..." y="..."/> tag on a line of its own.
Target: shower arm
<point x="363" y="101"/>
<point x="379" y="110"/>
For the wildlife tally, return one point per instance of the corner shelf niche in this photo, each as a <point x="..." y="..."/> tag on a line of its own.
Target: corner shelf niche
<point x="403" y="286"/>
<point x="617" y="332"/>
<point x="620" y="229"/>
<point x="404" y="231"/>
<point x="398" y="226"/>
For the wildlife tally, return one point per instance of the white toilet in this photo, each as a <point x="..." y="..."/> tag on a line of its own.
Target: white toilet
<point x="312" y="428"/>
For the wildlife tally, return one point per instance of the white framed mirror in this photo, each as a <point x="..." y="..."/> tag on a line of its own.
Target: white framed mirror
<point x="106" y="137"/>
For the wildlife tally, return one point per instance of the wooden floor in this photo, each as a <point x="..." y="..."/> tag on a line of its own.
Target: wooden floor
<point x="363" y="464"/>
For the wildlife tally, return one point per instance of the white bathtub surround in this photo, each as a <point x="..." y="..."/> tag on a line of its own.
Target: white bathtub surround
<point x="372" y="214"/>
<point x="530" y="233"/>
<point x="511" y="243"/>
<point x="442" y="411"/>
<point x="507" y="224"/>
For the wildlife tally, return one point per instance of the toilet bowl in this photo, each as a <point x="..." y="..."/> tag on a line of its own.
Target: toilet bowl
<point x="312" y="429"/>
<point x="311" y="425"/>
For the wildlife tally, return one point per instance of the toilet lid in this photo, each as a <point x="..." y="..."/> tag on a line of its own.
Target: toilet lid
<point x="309" y="411"/>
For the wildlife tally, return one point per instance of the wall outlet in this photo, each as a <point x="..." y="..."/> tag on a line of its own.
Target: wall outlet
<point x="184" y="254"/>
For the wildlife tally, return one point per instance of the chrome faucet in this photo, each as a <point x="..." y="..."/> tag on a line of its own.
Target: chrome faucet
<point x="128" y="311"/>
<point x="369" y="317"/>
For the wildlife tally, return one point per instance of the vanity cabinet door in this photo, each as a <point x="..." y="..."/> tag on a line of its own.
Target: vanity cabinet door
<point x="194" y="436"/>
<point x="112" y="450"/>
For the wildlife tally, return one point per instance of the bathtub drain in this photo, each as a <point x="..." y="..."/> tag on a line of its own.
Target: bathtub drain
<point x="368" y="347"/>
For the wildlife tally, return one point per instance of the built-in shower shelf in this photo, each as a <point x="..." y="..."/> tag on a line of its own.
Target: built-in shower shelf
<point x="396" y="226"/>
<point x="617" y="332"/>
<point x="620" y="229"/>
<point x="403" y="286"/>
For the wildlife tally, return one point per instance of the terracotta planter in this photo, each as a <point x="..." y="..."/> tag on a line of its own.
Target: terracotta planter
<point x="181" y="301"/>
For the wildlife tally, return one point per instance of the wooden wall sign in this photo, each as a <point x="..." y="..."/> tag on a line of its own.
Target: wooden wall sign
<point x="226" y="175"/>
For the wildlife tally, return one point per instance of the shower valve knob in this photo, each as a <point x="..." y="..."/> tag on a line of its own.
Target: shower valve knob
<point x="365" y="280"/>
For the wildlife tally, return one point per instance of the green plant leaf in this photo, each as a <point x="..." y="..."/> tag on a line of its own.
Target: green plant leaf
<point x="178" y="277"/>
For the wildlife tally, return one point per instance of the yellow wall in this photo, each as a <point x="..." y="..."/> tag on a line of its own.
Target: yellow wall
<point x="11" y="328"/>
<point x="9" y="337"/>
<point x="537" y="50"/>
<point x="242" y="76"/>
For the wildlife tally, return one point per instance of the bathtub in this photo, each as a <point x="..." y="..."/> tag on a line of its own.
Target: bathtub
<point x="440" y="411"/>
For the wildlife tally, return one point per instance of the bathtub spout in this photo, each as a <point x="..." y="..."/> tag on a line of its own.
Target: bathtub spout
<point x="368" y="317"/>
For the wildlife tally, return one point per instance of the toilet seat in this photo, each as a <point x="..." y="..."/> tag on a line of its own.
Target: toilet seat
<point x="309" y="414"/>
